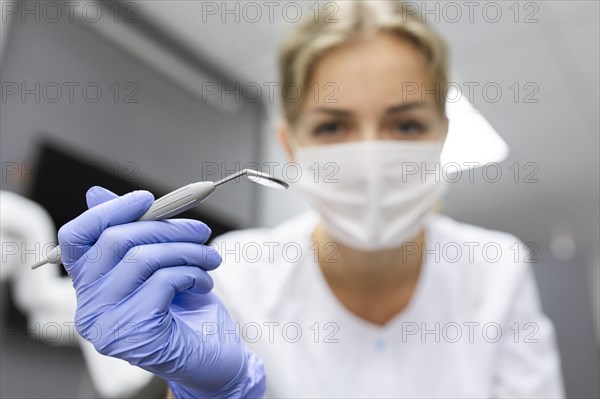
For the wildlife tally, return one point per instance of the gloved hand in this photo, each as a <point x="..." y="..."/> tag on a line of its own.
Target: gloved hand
<point x="143" y="295"/>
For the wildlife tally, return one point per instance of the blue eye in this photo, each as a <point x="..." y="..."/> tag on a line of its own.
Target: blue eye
<point x="409" y="128"/>
<point x="328" y="129"/>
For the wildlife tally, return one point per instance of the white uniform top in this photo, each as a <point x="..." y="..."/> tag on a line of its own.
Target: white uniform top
<point x="473" y="328"/>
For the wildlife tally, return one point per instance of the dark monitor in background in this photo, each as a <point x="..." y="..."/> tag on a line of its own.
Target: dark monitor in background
<point x="63" y="176"/>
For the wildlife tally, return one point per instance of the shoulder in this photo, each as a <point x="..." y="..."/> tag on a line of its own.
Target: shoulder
<point x="485" y="267"/>
<point x="256" y="261"/>
<point x="257" y="247"/>
<point x="464" y="243"/>
<point x="449" y="227"/>
<point x="283" y="232"/>
<point x="496" y="285"/>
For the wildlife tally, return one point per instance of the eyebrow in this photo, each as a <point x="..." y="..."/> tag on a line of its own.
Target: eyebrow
<point x="390" y="110"/>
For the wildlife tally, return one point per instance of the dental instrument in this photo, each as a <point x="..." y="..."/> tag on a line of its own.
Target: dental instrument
<point x="184" y="198"/>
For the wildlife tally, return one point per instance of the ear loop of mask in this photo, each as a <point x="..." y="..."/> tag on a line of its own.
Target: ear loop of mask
<point x="292" y="138"/>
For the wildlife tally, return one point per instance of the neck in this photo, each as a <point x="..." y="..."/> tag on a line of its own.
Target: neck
<point x="368" y="274"/>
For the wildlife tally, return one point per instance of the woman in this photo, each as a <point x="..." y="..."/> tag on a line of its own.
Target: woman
<point x="371" y="295"/>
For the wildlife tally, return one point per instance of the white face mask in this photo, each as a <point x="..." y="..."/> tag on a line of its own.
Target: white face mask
<point x="372" y="194"/>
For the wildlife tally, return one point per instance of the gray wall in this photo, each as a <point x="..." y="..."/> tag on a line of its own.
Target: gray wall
<point x="172" y="137"/>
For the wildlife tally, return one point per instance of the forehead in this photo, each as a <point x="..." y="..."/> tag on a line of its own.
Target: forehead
<point x="378" y="71"/>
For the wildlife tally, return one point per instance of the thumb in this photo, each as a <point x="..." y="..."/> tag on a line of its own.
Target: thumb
<point x="97" y="195"/>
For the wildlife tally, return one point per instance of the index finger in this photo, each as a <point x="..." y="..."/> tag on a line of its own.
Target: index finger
<point x="78" y="235"/>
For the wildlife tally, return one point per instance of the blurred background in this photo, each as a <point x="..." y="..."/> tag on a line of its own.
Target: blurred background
<point x="158" y="94"/>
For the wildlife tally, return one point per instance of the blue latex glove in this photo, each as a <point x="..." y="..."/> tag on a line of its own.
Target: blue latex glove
<point x="143" y="295"/>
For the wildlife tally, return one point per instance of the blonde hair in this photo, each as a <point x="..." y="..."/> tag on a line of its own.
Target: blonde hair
<point x="303" y="48"/>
